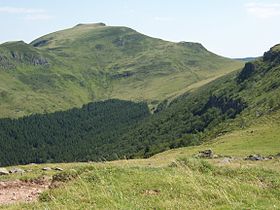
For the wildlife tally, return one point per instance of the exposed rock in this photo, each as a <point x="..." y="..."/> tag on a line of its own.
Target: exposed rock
<point x="58" y="169"/>
<point x="4" y="171"/>
<point x="32" y="58"/>
<point x="254" y="157"/>
<point x="40" y="43"/>
<point x="16" y="170"/>
<point x="91" y="24"/>
<point x="226" y="160"/>
<point x="46" y="169"/>
<point x="122" y="75"/>
<point x="151" y="192"/>
<point x="246" y="72"/>
<point x="39" y="61"/>
<point x="197" y="47"/>
<point x="215" y="156"/>
<point x="270" y="157"/>
<point x="205" y="154"/>
<point x="119" y="42"/>
<point x="258" y="114"/>
<point x="225" y="104"/>
<point x="273" y="55"/>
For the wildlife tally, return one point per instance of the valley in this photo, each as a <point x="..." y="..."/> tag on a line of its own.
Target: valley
<point x="92" y="62"/>
<point x="104" y="117"/>
<point x="173" y="179"/>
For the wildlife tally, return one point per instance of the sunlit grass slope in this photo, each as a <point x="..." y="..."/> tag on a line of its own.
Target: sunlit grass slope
<point x="174" y="179"/>
<point x="91" y="62"/>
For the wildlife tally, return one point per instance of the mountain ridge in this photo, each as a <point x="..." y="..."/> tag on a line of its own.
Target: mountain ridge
<point x="95" y="62"/>
<point x="230" y="103"/>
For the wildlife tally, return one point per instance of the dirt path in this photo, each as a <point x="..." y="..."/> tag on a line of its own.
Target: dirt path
<point x="21" y="191"/>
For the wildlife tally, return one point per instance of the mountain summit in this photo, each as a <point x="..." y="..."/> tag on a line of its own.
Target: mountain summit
<point x="91" y="62"/>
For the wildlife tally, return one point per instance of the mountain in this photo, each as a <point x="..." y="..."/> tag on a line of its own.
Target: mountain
<point x="230" y="103"/>
<point x="92" y="62"/>
<point x="236" y="115"/>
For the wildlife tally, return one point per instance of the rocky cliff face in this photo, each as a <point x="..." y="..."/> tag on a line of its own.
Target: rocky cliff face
<point x="246" y="72"/>
<point x="273" y="55"/>
<point x="270" y="60"/>
<point x="33" y="59"/>
<point x="14" y="53"/>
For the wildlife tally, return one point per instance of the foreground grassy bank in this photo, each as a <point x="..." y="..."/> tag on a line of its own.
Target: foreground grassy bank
<point x="186" y="184"/>
<point x="170" y="180"/>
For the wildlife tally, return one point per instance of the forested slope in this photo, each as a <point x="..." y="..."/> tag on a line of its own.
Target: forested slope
<point x="117" y="129"/>
<point x="75" y="135"/>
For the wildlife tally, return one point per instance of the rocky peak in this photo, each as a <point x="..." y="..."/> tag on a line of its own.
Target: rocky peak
<point x="90" y="25"/>
<point x="273" y="55"/>
<point x="246" y="72"/>
<point x="198" y="47"/>
<point x="12" y="53"/>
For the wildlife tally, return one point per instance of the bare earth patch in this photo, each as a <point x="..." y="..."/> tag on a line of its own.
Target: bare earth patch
<point x="21" y="191"/>
<point x="151" y="192"/>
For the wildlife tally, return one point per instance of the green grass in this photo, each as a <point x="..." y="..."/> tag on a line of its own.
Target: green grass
<point x="262" y="137"/>
<point x="89" y="63"/>
<point x="117" y="188"/>
<point x="190" y="184"/>
<point x="173" y="179"/>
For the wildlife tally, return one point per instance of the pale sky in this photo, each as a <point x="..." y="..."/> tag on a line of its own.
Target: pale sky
<point x="237" y="28"/>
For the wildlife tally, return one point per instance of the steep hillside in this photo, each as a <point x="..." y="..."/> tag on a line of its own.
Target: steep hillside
<point x="169" y="180"/>
<point x="236" y="116"/>
<point x="93" y="62"/>
<point x="31" y="82"/>
<point x="232" y="102"/>
<point x="80" y="134"/>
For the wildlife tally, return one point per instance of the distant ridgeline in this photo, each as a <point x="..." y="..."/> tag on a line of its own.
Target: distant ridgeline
<point x="94" y="62"/>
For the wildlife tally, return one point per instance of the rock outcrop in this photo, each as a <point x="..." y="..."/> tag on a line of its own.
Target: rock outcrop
<point x="206" y="154"/>
<point x="16" y="170"/>
<point x="4" y="171"/>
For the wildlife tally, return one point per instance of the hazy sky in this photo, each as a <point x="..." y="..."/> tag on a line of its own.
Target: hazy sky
<point x="237" y="28"/>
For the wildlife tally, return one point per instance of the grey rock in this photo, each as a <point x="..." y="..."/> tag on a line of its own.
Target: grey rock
<point x="58" y="169"/>
<point x="16" y="170"/>
<point x="205" y="154"/>
<point x="4" y="171"/>
<point x="46" y="169"/>
<point x="226" y="160"/>
<point x="254" y="157"/>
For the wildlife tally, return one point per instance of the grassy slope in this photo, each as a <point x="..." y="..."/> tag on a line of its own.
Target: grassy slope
<point x="262" y="137"/>
<point x="259" y="90"/>
<point x="187" y="184"/>
<point x="93" y="62"/>
<point x="158" y="183"/>
<point x="153" y="63"/>
<point x="226" y="104"/>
